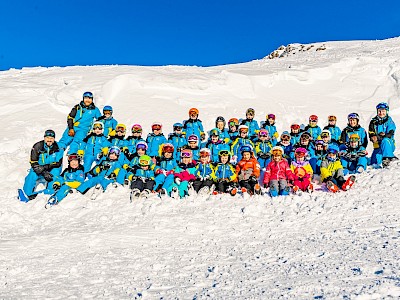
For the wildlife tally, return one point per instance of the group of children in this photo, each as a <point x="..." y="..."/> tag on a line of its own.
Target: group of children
<point x="238" y="155"/>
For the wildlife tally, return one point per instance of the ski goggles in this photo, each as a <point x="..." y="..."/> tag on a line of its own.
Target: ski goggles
<point x="353" y="116"/>
<point x="354" y="139"/>
<point x="88" y="95"/>
<point x="324" y="135"/>
<point x="244" y="130"/>
<point x="285" y="138"/>
<point x="331" y="118"/>
<point x="186" y="154"/>
<point x="177" y="128"/>
<point x="156" y="127"/>
<point x="300" y="154"/>
<point x="204" y="154"/>
<point x="97" y="127"/>
<point x="141" y="146"/>
<point x="271" y="116"/>
<point x="120" y="129"/>
<point x="114" y="150"/>
<point x="233" y="123"/>
<point x="295" y="127"/>
<point x="74" y="157"/>
<point x="313" y="118"/>
<point x="137" y="130"/>
<point x="223" y="153"/>
<point x="168" y="150"/>
<point x="144" y="163"/>
<point x="276" y="153"/>
<point x="263" y="134"/>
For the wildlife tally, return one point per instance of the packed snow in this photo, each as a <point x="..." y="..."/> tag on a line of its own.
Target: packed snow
<point x="313" y="246"/>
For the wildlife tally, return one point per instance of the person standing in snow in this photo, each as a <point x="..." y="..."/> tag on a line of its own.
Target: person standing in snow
<point x="80" y="121"/>
<point x="193" y="126"/>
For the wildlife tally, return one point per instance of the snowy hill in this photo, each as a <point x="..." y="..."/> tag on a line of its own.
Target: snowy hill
<point x="318" y="246"/>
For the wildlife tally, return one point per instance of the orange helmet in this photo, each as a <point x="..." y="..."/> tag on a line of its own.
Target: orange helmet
<point x="193" y="111"/>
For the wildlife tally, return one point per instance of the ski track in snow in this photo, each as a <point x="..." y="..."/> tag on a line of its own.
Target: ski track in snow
<point x="318" y="246"/>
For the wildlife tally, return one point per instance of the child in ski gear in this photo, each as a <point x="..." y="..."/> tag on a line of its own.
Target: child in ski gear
<point x="223" y="132"/>
<point x="177" y="139"/>
<point x="326" y="137"/>
<point x="79" y="121"/>
<point x="107" y="171"/>
<point x="263" y="148"/>
<point x="183" y="173"/>
<point x="251" y="124"/>
<point x="333" y="129"/>
<point x="269" y="124"/>
<point x="46" y="161"/>
<point x="225" y="175"/>
<point x="332" y="171"/>
<point x="248" y="171"/>
<point x="118" y="139"/>
<point x="294" y="134"/>
<point x="381" y="132"/>
<point x="353" y="156"/>
<point x="71" y="178"/>
<point x="319" y="154"/>
<point x="305" y="142"/>
<point x="312" y="128"/>
<point x="286" y="146"/>
<point x="353" y="127"/>
<point x="193" y="145"/>
<point x="204" y="171"/>
<point x="143" y="177"/>
<point x="302" y="171"/>
<point x="193" y="126"/>
<point x="109" y="123"/>
<point x="241" y="141"/>
<point x="141" y="149"/>
<point x="166" y="164"/>
<point x="216" y="144"/>
<point x="93" y="146"/>
<point x="278" y="174"/>
<point x="233" y="132"/>
<point x="135" y="138"/>
<point x="155" y="139"/>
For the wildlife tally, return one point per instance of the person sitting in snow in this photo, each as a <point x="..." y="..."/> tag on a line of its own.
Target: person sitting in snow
<point x="302" y="171"/>
<point x="183" y="174"/>
<point x="193" y="126"/>
<point x="248" y="171"/>
<point x="204" y="172"/>
<point x="381" y="133"/>
<point x="143" y="177"/>
<point x="46" y="161"/>
<point x="353" y="127"/>
<point x="353" y="156"/>
<point x="225" y="175"/>
<point x="166" y="163"/>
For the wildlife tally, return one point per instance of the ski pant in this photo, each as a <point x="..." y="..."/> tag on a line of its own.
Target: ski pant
<point x="163" y="181"/>
<point x="87" y="162"/>
<point x="142" y="185"/>
<point x="198" y="184"/>
<point x="386" y="149"/>
<point x="339" y="181"/>
<point x="248" y="184"/>
<point x="62" y="192"/>
<point x="224" y="186"/>
<point x="351" y="166"/>
<point x="72" y="141"/>
<point x="33" y="179"/>
<point x="314" y="165"/>
<point x="263" y="165"/>
<point x="182" y="187"/>
<point x="104" y="182"/>
<point x="278" y="187"/>
<point x="302" y="183"/>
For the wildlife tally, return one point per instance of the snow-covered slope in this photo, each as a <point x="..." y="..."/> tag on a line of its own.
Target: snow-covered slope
<point x="301" y="247"/>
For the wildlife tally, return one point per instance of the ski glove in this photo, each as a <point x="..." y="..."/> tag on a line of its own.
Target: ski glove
<point x="106" y="166"/>
<point x="71" y="132"/>
<point x="253" y="179"/>
<point x="56" y="186"/>
<point x="113" y="176"/>
<point x="48" y="176"/>
<point x="99" y="156"/>
<point x="38" y="169"/>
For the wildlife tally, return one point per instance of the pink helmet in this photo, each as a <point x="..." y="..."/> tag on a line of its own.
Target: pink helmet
<point x="301" y="151"/>
<point x="193" y="138"/>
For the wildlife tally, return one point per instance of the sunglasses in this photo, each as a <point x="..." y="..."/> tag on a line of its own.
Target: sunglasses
<point x="354" y="139"/>
<point x="143" y="163"/>
<point x="186" y="154"/>
<point x="156" y="127"/>
<point x="313" y="121"/>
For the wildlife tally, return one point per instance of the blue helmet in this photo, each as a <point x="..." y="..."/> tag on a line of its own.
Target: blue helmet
<point x="87" y="94"/>
<point x="115" y="150"/>
<point x="246" y="148"/>
<point x="382" y="105"/>
<point x="178" y="125"/>
<point x="107" y="108"/>
<point x="333" y="149"/>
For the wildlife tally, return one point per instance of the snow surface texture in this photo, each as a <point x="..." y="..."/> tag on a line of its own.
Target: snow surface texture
<point x="319" y="246"/>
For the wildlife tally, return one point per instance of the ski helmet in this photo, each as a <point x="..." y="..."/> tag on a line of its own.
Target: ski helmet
<point x="193" y="111"/>
<point x="354" y="137"/>
<point x="277" y="151"/>
<point x="137" y="128"/>
<point x="382" y="105"/>
<point x="220" y="119"/>
<point x="263" y="133"/>
<point x="295" y="127"/>
<point x="301" y="152"/>
<point x="205" y="152"/>
<point x="332" y="118"/>
<point x="120" y="128"/>
<point x="270" y="116"/>
<point x="224" y="153"/>
<point x="97" y="124"/>
<point x="168" y="147"/>
<point x="333" y="149"/>
<point x="250" y="111"/>
<point x="115" y="150"/>
<point x="74" y="156"/>
<point x="193" y="138"/>
<point x="214" y="132"/>
<point x="325" y="133"/>
<point x="186" y="153"/>
<point x="313" y="118"/>
<point x="88" y="95"/>
<point x="142" y="145"/>
<point x="177" y="126"/>
<point x="246" y="148"/>
<point x="156" y="126"/>
<point x="50" y="133"/>
<point x="233" y="122"/>
<point x="107" y="108"/>
<point x="355" y="116"/>
<point x="144" y="160"/>
<point x="243" y="128"/>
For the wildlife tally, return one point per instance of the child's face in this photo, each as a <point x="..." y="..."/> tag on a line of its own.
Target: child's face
<point x="98" y="130"/>
<point x="140" y="152"/>
<point x="304" y="141"/>
<point x="178" y="130"/>
<point x="246" y="155"/>
<point x="137" y="134"/>
<point x="277" y="157"/>
<point x="353" y="144"/>
<point x="313" y="123"/>
<point x="74" y="163"/>
<point x="325" y="138"/>
<point x="113" y="156"/>
<point x="319" y="147"/>
<point x="193" y="116"/>
<point x="295" y="130"/>
<point x="353" y="122"/>
<point x="220" y="125"/>
<point x="144" y="167"/>
<point x="332" y="122"/>
<point x="120" y="133"/>
<point x="243" y="134"/>
<point x="332" y="155"/>
<point x="192" y="144"/>
<point x="271" y="120"/>
<point x="167" y="154"/>
<point x="299" y="157"/>
<point x="204" y="159"/>
<point x="186" y="160"/>
<point x="214" y="138"/>
<point x="249" y="116"/>
<point x="157" y="131"/>
<point x="263" y="138"/>
<point x="224" y="159"/>
<point x="107" y="114"/>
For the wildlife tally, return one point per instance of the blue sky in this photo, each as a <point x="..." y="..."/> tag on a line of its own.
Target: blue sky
<point x="183" y="32"/>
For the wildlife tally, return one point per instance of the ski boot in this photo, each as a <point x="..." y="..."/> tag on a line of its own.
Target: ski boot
<point x="135" y="193"/>
<point x="257" y="189"/>
<point x="349" y="183"/>
<point x="332" y="187"/>
<point x="310" y="188"/>
<point x="52" y="201"/>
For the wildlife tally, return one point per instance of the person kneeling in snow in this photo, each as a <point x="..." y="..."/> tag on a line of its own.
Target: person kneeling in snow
<point x="332" y="171"/>
<point x="248" y="171"/>
<point x="302" y="171"/>
<point x="278" y="174"/>
<point x="71" y="178"/>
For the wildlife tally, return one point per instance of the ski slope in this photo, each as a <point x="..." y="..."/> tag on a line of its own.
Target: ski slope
<point x="319" y="246"/>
